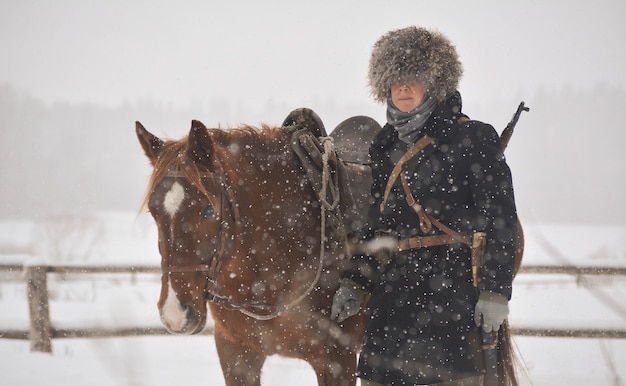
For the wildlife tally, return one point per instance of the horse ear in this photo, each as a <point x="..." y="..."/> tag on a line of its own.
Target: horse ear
<point x="200" y="143"/>
<point x="150" y="143"/>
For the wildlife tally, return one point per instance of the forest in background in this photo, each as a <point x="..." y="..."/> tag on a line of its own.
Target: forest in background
<point x="567" y="155"/>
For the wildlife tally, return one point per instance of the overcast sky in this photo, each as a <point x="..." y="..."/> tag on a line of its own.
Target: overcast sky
<point x="232" y="62"/>
<point x="251" y="53"/>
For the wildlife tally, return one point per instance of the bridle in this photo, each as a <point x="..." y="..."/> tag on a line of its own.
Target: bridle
<point x="211" y="270"/>
<point x="256" y="310"/>
<point x="208" y="268"/>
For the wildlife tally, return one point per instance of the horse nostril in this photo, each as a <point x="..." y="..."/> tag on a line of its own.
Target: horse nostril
<point x="190" y="313"/>
<point x="190" y="316"/>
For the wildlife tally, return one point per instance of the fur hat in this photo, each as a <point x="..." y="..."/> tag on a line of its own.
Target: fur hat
<point x="414" y="54"/>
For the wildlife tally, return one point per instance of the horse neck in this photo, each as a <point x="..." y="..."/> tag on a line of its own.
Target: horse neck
<point x="264" y="186"/>
<point x="258" y="167"/>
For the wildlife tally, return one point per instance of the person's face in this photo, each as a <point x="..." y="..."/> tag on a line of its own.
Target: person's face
<point x="407" y="96"/>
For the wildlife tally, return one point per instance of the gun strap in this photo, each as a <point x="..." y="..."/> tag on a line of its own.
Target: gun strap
<point x="416" y="148"/>
<point x="427" y="221"/>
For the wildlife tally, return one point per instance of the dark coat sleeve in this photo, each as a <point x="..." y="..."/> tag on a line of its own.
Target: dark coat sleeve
<point x="490" y="183"/>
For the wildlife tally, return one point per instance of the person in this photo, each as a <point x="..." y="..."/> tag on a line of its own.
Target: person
<point x="425" y="312"/>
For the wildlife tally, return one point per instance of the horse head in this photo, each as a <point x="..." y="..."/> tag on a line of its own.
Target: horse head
<point x="186" y="201"/>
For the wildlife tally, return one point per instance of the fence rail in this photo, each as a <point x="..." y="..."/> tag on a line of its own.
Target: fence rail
<point x="41" y="332"/>
<point x="573" y="270"/>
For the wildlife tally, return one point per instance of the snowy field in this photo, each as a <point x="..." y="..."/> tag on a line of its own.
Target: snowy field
<point x="109" y="301"/>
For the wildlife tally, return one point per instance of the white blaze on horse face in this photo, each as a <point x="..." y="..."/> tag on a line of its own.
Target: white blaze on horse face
<point x="173" y="314"/>
<point x="173" y="199"/>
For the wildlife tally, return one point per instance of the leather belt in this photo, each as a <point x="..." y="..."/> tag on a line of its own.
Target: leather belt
<point x="431" y="241"/>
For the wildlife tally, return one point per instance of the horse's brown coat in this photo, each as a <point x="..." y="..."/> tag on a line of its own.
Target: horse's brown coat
<point x="261" y="240"/>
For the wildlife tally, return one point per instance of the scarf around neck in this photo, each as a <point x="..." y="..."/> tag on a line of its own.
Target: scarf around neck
<point x="409" y="124"/>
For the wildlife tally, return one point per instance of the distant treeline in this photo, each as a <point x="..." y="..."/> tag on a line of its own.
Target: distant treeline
<point x="567" y="155"/>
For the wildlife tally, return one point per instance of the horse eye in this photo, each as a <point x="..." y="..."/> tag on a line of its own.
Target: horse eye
<point x="208" y="212"/>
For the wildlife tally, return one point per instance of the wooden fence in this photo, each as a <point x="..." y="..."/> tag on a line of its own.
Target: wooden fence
<point x="41" y="332"/>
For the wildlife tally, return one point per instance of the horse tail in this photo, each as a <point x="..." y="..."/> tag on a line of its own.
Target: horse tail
<point x="508" y="359"/>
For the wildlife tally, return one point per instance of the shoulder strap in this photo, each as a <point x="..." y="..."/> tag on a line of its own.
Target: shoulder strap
<point x="427" y="221"/>
<point x="416" y="148"/>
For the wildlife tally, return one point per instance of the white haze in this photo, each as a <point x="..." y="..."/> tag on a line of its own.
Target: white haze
<point x="83" y="72"/>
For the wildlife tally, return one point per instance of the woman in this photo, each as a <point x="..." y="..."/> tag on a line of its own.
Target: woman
<point x="424" y="313"/>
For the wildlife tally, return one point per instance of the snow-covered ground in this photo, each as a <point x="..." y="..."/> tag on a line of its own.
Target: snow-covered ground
<point x="108" y="301"/>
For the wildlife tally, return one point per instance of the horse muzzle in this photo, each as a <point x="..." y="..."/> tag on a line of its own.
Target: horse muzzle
<point x="187" y="321"/>
<point x="182" y="318"/>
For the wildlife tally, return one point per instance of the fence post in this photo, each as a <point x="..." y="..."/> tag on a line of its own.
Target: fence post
<point x="37" y="287"/>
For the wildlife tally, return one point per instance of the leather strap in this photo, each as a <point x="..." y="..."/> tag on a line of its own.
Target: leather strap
<point x="416" y="148"/>
<point x="429" y="241"/>
<point x="427" y="221"/>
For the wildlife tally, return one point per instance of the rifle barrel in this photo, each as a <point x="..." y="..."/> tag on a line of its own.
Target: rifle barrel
<point x="507" y="133"/>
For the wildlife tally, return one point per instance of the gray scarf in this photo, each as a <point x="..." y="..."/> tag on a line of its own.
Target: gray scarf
<point x="409" y="124"/>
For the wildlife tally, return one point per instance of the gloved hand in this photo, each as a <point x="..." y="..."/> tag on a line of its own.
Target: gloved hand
<point x="346" y="301"/>
<point x="491" y="310"/>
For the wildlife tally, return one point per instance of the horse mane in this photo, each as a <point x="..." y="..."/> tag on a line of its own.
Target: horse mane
<point x="173" y="154"/>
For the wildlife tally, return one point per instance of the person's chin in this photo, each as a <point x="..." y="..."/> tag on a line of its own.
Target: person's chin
<point x="407" y="106"/>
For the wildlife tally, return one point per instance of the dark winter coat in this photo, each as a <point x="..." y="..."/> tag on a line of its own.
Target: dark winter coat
<point x="420" y="325"/>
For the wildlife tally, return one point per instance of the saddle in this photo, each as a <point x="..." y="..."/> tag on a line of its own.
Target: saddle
<point x="345" y="155"/>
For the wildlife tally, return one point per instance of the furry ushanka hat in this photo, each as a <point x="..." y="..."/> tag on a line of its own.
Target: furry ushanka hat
<point x="414" y="54"/>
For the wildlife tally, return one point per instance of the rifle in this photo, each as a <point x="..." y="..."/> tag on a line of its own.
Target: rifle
<point x="505" y="137"/>
<point x="490" y="339"/>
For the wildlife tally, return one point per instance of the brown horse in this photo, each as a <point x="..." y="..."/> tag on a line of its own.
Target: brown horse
<point x="241" y="227"/>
